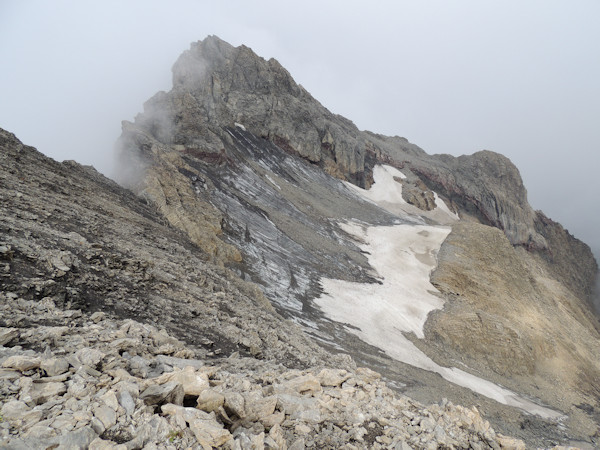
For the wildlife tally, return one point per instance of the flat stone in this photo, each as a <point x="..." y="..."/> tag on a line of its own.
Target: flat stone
<point x="207" y="430"/>
<point x="40" y="432"/>
<point x="14" y="410"/>
<point x="54" y="366"/>
<point x="106" y="415"/>
<point x="235" y="403"/>
<point x="166" y="393"/>
<point x="139" y="367"/>
<point x="41" y="393"/>
<point x="298" y="444"/>
<point x="89" y="356"/>
<point x="64" y="423"/>
<point x="97" y="425"/>
<point x="129" y="386"/>
<point x="332" y="377"/>
<point x="193" y="382"/>
<point x="78" y="440"/>
<point x="304" y="384"/>
<point x="77" y="387"/>
<point x="98" y="316"/>
<point x="368" y="375"/>
<point x="510" y="443"/>
<point x="22" y="362"/>
<point x="7" y="335"/>
<point x="126" y="401"/>
<point x="258" y="407"/>
<point x="101" y="444"/>
<point x="276" y="418"/>
<point x="110" y="399"/>
<point x="210" y="400"/>
<point x="302" y="429"/>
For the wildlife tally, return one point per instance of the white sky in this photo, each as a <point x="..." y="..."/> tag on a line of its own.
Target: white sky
<point x="518" y="77"/>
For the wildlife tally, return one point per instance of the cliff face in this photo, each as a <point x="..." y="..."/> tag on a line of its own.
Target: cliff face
<point x="117" y="332"/>
<point x="250" y="202"/>
<point x="217" y="85"/>
<point x="252" y="168"/>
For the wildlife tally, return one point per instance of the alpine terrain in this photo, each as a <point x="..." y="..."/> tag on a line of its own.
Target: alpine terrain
<point x="262" y="274"/>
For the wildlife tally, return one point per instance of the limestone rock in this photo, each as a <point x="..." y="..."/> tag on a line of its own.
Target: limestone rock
<point x="106" y="415"/>
<point x="7" y="335"/>
<point x="54" y="366"/>
<point x="332" y="377"/>
<point x="204" y="426"/>
<point x="193" y="382"/>
<point x="210" y="401"/>
<point x="304" y="384"/>
<point x="43" y="392"/>
<point x="22" y="363"/>
<point x="126" y="401"/>
<point x="89" y="356"/>
<point x="171" y="392"/>
<point x="235" y="404"/>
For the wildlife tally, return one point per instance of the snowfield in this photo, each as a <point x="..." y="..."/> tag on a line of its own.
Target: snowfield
<point x="403" y="257"/>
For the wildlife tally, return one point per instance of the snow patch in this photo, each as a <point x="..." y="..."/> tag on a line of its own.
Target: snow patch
<point x="239" y="125"/>
<point x="386" y="192"/>
<point x="441" y="204"/>
<point x="380" y="314"/>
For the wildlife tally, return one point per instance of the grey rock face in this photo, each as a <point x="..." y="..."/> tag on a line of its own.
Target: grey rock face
<point x="238" y="153"/>
<point x="216" y="85"/>
<point x="226" y="182"/>
<point x="166" y="393"/>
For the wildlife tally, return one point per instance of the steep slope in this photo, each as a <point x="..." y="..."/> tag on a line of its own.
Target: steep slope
<point x="95" y="285"/>
<point x="256" y="172"/>
<point x="76" y="238"/>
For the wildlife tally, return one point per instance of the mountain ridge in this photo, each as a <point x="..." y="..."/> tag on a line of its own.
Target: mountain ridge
<point x="251" y="201"/>
<point x="298" y="123"/>
<point x="257" y="149"/>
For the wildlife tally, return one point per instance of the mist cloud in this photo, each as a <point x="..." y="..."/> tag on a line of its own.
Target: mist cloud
<point x="453" y="77"/>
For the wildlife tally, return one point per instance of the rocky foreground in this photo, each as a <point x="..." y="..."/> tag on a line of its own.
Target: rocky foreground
<point x="100" y="383"/>
<point x="157" y="319"/>
<point x="81" y="258"/>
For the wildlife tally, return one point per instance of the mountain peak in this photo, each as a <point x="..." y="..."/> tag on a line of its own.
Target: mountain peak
<point x="233" y="69"/>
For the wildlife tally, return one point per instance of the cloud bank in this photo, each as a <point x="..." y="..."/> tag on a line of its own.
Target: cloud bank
<point x="453" y="77"/>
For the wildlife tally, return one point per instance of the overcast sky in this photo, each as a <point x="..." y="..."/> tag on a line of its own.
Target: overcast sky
<point x="518" y="77"/>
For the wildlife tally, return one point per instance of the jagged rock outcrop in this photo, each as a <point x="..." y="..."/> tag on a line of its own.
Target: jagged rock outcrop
<point x="501" y="319"/>
<point x="253" y="151"/>
<point x="217" y="85"/>
<point x="116" y="332"/>
<point x="488" y="186"/>
<point x="72" y="238"/>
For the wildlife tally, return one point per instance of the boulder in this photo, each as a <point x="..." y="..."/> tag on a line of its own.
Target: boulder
<point x="306" y="384"/>
<point x="106" y="415"/>
<point x="43" y="392"/>
<point x="210" y="400"/>
<point x="171" y="392"/>
<point x="54" y="366"/>
<point x="22" y="363"/>
<point x="91" y="357"/>
<point x="7" y="335"/>
<point x="332" y="377"/>
<point x="193" y="382"/>
<point x="207" y="430"/>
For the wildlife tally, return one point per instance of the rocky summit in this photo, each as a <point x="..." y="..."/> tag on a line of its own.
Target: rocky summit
<point x="262" y="274"/>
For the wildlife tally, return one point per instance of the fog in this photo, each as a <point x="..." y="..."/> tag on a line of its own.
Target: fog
<point x="519" y="78"/>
